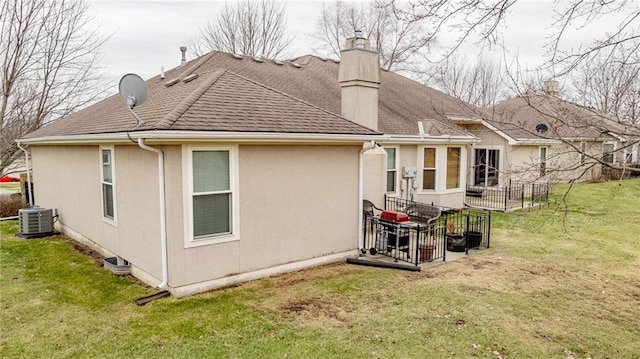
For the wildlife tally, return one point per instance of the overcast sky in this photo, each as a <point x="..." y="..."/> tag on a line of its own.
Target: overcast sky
<point x="146" y="35"/>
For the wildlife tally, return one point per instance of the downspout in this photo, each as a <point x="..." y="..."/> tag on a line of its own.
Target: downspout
<point x="371" y="146"/>
<point x="26" y="161"/>
<point x="163" y="219"/>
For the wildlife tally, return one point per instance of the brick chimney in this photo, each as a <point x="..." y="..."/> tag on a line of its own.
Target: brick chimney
<point x="359" y="79"/>
<point x="551" y="88"/>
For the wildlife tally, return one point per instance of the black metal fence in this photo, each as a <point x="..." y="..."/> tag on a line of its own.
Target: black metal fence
<point x="513" y="195"/>
<point x="456" y="230"/>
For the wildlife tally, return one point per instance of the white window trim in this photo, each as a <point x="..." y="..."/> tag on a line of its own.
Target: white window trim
<point x="629" y="151"/>
<point x="397" y="169"/>
<point x="461" y="166"/>
<point x="421" y="167"/>
<point x="613" y="151"/>
<point x="501" y="154"/>
<point x="187" y="171"/>
<point x="112" y="221"/>
<point x="546" y="161"/>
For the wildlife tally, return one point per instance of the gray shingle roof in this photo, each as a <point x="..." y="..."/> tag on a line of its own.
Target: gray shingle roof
<point x="519" y="116"/>
<point x="241" y="94"/>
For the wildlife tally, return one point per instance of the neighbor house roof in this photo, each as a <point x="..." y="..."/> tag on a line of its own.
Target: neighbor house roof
<point x="539" y="117"/>
<point x="224" y="92"/>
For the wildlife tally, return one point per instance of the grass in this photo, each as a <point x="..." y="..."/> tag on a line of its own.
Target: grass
<point x="558" y="282"/>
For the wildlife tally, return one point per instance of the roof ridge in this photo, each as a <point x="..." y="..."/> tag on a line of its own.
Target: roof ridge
<point x="297" y="99"/>
<point x="203" y="59"/>
<point x="170" y="118"/>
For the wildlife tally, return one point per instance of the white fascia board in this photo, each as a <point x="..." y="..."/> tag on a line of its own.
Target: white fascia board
<point x="535" y="141"/>
<point x="431" y="139"/>
<point x="186" y="136"/>
<point x="463" y="119"/>
<point x="617" y="136"/>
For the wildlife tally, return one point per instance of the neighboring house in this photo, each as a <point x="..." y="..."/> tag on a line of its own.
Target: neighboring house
<point x="242" y="167"/>
<point x="542" y="137"/>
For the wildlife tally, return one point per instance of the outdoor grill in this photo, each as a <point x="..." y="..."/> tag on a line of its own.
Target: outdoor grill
<point x="393" y="234"/>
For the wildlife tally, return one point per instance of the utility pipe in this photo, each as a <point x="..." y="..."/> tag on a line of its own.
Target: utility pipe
<point x="26" y="161"/>
<point x="163" y="219"/>
<point x="371" y="146"/>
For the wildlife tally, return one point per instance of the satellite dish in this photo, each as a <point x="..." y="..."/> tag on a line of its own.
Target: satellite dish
<point x="542" y="128"/>
<point x="133" y="90"/>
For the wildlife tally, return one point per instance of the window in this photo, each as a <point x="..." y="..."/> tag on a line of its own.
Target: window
<point x="211" y="195"/>
<point x="392" y="170"/>
<point x="628" y="155"/>
<point x="543" y="161"/>
<point x="607" y="152"/>
<point x="583" y="153"/>
<point x="108" y="190"/>
<point x="486" y="167"/>
<point x="429" y="169"/>
<point x="453" y="167"/>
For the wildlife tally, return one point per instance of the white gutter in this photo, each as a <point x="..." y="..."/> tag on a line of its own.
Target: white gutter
<point x="181" y="136"/>
<point x="430" y="139"/>
<point x="371" y="146"/>
<point x="26" y="161"/>
<point x="163" y="219"/>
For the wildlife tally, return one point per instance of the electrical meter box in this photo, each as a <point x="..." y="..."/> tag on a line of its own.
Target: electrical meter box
<point x="408" y="172"/>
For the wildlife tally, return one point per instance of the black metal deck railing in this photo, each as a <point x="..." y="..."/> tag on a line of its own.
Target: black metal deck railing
<point x="416" y="242"/>
<point x="513" y="195"/>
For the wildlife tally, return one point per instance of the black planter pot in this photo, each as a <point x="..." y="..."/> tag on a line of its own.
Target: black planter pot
<point x="456" y="243"/>
<point x="474" y="238"/>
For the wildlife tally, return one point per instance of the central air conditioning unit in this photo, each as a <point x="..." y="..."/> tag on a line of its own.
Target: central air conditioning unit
<point x="35" y="222"/>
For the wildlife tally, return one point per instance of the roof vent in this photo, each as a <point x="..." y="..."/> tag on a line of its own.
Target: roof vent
<point x="295" y="64"/>
<point x="237" y="56"/>
<point x="171" y="82"/>
<point x="542" y="128"/>
<point x="257" y="59"/>
<point x="278" y="62"/>
<point x="190" y="78"/>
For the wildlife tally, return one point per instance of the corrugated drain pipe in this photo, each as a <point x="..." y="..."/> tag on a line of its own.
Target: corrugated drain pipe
<point x="163" y="219"/>
<point x="371" y="146"/>
<point x="26" y="161"/>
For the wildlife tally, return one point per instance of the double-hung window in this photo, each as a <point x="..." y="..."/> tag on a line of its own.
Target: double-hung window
<point x="108" y="184"/>
<point x="392" y="170"/>
<point x="543" y="161"/>
<point x="429" y="168"/>
<point x="607" y="152"/>
<point x="453" y="167"/>
<point x="628" y="155"/>
<point x="211" y="193"/>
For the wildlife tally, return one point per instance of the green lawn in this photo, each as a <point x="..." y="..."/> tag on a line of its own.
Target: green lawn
<point x="558" y="282"/>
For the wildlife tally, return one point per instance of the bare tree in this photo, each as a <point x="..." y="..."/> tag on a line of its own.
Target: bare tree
<point x="478" y="82"/>
<point x="248" y="28"/>
<point x="398" y="34"/>
<point x="48" y="55"/>
<point x="611" y="84"/>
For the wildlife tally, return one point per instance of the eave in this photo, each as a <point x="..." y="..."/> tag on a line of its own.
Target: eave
<point x="173" y="137"/>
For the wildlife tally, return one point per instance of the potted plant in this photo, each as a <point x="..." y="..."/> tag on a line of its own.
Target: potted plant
<point x="455" y="240"/>
<point x="426" y="248"/>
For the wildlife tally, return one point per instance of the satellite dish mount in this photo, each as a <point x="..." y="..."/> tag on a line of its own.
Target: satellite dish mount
<point x="133" y="91"/>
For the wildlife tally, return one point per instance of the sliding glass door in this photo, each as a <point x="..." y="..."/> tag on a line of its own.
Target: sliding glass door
<point x="486" y="167"/>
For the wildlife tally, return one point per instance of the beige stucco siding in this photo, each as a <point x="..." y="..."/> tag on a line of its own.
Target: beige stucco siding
<point x="295" y="203"/>
<point x="70" y="181"/>
<point x="412" y="156"/>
